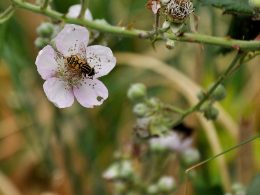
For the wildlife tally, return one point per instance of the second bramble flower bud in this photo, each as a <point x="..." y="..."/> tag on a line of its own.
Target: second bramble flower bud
<point x="119" y="170"/>
<point x="140" y="110"/>
<point x="137" y="92"/>
<point x="46" y="29"/>
<point x="219" y="93"/>
<point x="166" y="184"/>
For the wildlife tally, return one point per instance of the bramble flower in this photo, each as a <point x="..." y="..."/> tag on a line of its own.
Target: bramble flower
<point x="72" y="68"/>
<point x="166" y="183"/>
<point x="74" y="12"/>
<point x="173" y="141"/>
<point x="119" y="170"/>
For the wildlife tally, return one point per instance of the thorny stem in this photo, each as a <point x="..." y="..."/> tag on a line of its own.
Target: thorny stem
<point x="123" y="31"/>
<point x="207" y="95"/>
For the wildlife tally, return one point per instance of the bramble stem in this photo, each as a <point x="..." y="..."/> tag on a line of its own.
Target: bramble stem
<point x="207" y="95"/>
<point x="123" y="31"/>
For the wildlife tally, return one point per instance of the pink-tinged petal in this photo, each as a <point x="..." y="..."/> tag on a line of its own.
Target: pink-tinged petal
<point x="46" y="63"/>
<point x="74" y="11"/>
<point x="91" y="93"/>
<point x="101" y="58"/>
<point x="155" y="6"/>
<point x="73" y="39"/>
<point x="58" y="93"/>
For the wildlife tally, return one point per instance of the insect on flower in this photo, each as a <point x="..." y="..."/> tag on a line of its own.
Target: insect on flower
<point x="72" y="68"/>
<point x="76" y="63"/>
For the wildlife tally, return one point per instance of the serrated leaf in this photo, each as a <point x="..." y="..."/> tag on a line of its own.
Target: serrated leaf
<point x="239" y="7"/>
<point x="254" y="186"/>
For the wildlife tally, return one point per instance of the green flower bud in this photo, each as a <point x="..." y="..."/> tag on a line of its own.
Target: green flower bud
<point x="166" y="184"/>
<point x="119" y="170"/>
<point x="142" y="127"/>
<point x="41" y="42"/>
<point x="158" y="127"/>
<point x="153" y="102"/>
<point x="152" y="189"/>
<point x="177" y="28"/>
<point x="254" y="3"/>
<point x="126" y="169"/>
<point x="205" y="106"/>
<point x="190" y="156"/>
<point x="136" y="92"/>
<point x="219" y="93"/>
<point x="166" y="25"/>
<point x="211" y="113"/>
<point x="45" y="29"/>
<point x="140" y="109"/>
<point x="201" y="95"/>
<point x="238" y="189"/>
<point x="170" y="44"/>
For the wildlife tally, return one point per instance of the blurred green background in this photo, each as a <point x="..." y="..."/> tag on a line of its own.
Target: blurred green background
<point x="30" y="155"/>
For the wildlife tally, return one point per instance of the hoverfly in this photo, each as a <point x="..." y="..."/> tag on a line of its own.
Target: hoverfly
<point x="77" y="63"/>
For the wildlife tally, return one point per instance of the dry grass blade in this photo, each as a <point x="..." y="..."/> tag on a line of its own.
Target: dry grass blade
<point x="6" y="187"/>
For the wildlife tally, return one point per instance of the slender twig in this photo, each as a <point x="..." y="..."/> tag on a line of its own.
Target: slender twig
<point x="84" y="5"/>
<point x="173" y="109"/>
<point x="7" y="14"/>
<point x="207" y="95"/>
<point x="45" y="4"/>
<point x="123" y="31"/>
<point x="226" y="151"/>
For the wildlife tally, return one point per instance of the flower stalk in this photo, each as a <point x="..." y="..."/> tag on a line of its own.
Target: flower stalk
<point x="84" y="5"/>
<point x="237" y="60"/>
<point x="45" y="4"/>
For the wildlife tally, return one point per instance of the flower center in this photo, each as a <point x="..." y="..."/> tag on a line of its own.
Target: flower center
<point x="73" y="69"/>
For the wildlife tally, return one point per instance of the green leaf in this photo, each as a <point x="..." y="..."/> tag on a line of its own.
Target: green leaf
<point x="239" y="7"/>
<point x="253" y="188"/>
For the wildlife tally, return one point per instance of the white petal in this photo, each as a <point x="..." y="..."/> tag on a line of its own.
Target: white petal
<point x="101" y="58"/>
<point x="88" y="15"/>
<point x="74" y="11"/>
<point x="70" y="40"/>
<point x="57" y="92"/>
<point x="91" y="93"/>
<point x="46" y="63"/>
